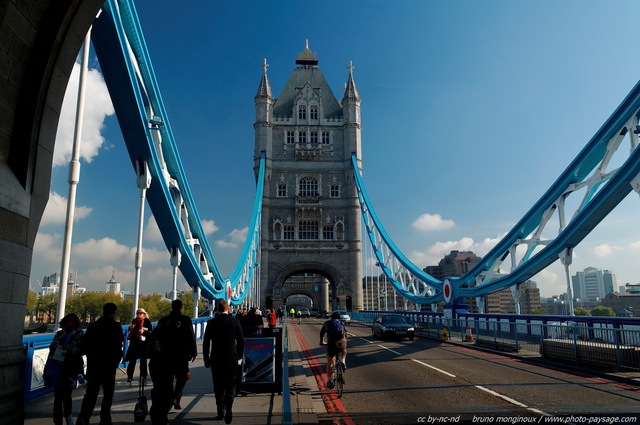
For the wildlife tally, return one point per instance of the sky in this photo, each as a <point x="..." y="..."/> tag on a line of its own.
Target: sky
<point x="470" y="111"/>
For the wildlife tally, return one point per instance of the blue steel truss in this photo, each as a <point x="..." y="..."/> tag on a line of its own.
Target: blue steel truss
<point x="524" y="250"/>
<point x="126" y="66"/>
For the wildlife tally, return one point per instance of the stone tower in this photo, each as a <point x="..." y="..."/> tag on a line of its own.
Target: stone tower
<point x="311" y="214"/>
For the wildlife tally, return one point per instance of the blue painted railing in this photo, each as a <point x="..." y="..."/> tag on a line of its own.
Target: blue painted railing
<point x="36" y="351"/>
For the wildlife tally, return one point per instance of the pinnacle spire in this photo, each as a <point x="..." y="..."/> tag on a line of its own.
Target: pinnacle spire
<point x="350" y="91"/>
<point x="264" y="89"/>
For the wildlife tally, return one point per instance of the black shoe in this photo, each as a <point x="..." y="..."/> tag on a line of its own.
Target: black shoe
<point x="228" y="416"/>
<point x="80" y="421"/>
<point x="220" y="415"/>
<point x="176" y="405"/>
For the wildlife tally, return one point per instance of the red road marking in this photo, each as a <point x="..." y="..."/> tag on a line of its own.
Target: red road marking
<point x="329" y="397"/>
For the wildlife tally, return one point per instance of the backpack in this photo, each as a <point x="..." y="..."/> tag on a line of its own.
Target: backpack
<point x="336" y="329"/>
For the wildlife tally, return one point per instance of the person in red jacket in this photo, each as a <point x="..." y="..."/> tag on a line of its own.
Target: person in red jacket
<point x="271" y="315"/>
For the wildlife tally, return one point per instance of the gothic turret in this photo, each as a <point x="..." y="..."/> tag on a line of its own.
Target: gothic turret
<point x="264" y="115"/>
<point x="351" y="113"/>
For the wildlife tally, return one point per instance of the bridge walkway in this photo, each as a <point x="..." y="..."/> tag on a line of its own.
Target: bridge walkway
<point x="198" y="401"/>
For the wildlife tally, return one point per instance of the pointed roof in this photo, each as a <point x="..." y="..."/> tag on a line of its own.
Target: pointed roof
<point x="264" y="89"/>
<point x="350" y="91"/>
<point x="307" y="71"/>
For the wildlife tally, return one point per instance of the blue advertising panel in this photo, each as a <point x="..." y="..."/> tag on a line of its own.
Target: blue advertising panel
<point x="259" y="360"/>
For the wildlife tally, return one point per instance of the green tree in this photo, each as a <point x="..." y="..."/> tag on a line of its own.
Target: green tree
<point x="155" y="305"/>
<point x="603" y="311"/>
<point x="187" y="303"/>
<point x="538" y="310"/>
<point x="580" y="311"/>
<point x="48" y="306"/>
<point x="32" y="302"/>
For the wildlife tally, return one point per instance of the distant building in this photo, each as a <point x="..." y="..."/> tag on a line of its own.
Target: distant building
<point x="593" y="284"/>
<point x="499" y="302"/>
<point x="529" y="297"/>
<point x="456" y="263"/>
<point x="113" y="286"/>
<point x="623" y="302"/>
<point x="555" y="306"/>
<point x="631" y="288"/>
<point x="50" y="284"/>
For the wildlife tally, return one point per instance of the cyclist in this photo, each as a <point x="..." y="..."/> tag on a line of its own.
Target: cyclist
<point x="336" y="343"/>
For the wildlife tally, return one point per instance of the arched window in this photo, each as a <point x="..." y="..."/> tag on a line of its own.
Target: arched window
<point x="308" y="186"/>
<point x="313" y="112"/>
<point x="282" y="190"/>
<point x="302" y="112"/>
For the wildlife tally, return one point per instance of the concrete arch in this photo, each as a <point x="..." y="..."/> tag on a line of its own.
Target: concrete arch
<point x="39" y="41"/>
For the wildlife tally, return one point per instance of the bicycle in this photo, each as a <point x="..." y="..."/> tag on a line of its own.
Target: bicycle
<point x="338" y="376"/>
<point x="338" y="369"/>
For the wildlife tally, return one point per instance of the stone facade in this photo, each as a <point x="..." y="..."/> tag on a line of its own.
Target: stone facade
<point x="39" y="42"/>
<point x="310" y="214"/>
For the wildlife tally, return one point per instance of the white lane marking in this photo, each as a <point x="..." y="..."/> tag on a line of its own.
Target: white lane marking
<point x="510" y="400"/>
<point x="434" y="368"/>
<point x="386" y="348"/>
<point x="366" y="340"/>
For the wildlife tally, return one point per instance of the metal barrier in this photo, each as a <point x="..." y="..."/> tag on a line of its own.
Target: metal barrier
<point x="36" y="350"/>
<point x="596" y="341"/>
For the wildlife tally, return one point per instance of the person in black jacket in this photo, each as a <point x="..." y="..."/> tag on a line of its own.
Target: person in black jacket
<point x="102" y="344"/>
<point x="223" y="347"/>
<point x="176" y="345"/>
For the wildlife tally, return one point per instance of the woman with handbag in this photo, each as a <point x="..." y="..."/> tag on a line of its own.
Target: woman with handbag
<point x="63" y="367"/>
<point x="139" y="333"/>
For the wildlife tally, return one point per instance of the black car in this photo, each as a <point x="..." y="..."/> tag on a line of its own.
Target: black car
<point x="392" y="325"/>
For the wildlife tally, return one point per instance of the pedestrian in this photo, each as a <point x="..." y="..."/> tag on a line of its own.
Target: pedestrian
<point x="139" y="333"/>
<point x="63" y="367"/>
<point x="272" y="319"/>
<point x="251" y="320"/>
<point x="175" y="345"/>
<point x="223" y="348"/>
<point x="102" y="344"/>
<point x="280" y="315"/>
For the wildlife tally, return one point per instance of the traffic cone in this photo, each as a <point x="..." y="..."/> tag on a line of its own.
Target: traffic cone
<point x="468" y="334"/>
<point x="445" y="334"/>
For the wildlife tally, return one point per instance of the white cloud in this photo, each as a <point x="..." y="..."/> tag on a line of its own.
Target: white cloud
<point x="605" y="250"/>
<point x="152" y="231"/>
<point x="635" y="245"/>
<point x="234" y="239"/>
<point x="97" y="107"/>
<point x="209" y="227"/>
<point x="48" y="250"/>
<point x="428" y="222"/>
<point x="56" y="210"/>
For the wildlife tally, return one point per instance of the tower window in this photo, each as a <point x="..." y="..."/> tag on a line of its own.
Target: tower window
<point x="313" y="112"/>
<point x="307" y="229"/>
<point x="334" y="190"/>
<point x="288" y="231"/>
<point x="302" y="137"/>
<point x="291" y="137"/>
<point x="325" y="138"/>
<point x="308" y="186"/>
<point x="302" y="112"/>
<point x="313" y="136"/>
<point x="327" y="233"/>
<point x="282" y="190"/>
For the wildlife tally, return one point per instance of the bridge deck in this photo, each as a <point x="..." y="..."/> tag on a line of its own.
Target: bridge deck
<point x="198" y="401"/>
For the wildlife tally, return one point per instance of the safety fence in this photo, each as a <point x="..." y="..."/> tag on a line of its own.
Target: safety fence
<point x="36" y="351"/>
<point x="607" y="343"/>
